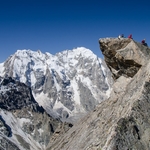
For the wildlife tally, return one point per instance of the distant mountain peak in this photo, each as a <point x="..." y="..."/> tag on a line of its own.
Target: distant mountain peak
<point x="79" y="51"/>
<point x="67" y="84"/>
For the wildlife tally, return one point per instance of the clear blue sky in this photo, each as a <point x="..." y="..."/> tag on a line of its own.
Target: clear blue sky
<point x="56" y="25"/>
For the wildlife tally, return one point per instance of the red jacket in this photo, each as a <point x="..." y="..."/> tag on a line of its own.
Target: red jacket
<point x="143" y="41"/>
<point x="130" y="36"/>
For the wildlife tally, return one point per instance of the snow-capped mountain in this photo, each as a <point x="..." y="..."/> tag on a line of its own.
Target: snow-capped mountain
<point x="66" y="85"/>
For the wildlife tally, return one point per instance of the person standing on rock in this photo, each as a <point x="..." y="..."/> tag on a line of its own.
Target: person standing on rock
<point x="143" y="42"/>
<point x="121" y="36"/>
<point x="130" y="36"/>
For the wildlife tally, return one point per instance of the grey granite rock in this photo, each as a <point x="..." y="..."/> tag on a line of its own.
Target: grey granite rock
<point x="121" y="122"/>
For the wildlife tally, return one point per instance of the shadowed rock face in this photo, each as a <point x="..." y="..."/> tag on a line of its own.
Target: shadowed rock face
<point x="23" y="123"/>
<point x="15" y="95"/>
<point x="121" y="122"/>
<point x="123" y="56"/>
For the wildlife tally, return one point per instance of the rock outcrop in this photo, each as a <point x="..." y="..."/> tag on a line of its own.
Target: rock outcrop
<point x="123" y="56"/>
<point x="15" y="95"/>
<point x="123" y="121"/>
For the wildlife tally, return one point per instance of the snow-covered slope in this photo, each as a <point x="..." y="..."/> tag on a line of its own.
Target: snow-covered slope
<point x="69" y="83"/>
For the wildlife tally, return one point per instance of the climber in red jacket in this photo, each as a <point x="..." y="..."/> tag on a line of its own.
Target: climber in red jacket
<point x="130" y="36"/>
<point x="143" y="41"/>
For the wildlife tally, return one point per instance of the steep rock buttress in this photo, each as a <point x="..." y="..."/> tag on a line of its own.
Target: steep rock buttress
<point x="123" y="56"/>
<point x="121" y="122"/>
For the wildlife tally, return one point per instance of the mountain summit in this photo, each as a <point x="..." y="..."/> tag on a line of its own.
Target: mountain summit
<point x="67" y="85"/>
<point x="122" y="121"/>
<point x="123" y="56"/>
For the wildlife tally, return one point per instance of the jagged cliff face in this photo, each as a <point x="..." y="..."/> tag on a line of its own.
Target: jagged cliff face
<point x="24" y="124"/>
<point x="121" y="122"/>
<point x="67" y="85"/>
<point x="123" y="56"/>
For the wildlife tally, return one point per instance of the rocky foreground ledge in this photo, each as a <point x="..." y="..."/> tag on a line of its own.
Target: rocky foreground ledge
<point x="123" y="121"/>
<point x="124" y="56"/>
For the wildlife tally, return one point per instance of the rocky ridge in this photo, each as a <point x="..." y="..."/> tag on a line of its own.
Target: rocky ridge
<point x="24" y="124"/>
<point x="121" y="122"/>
